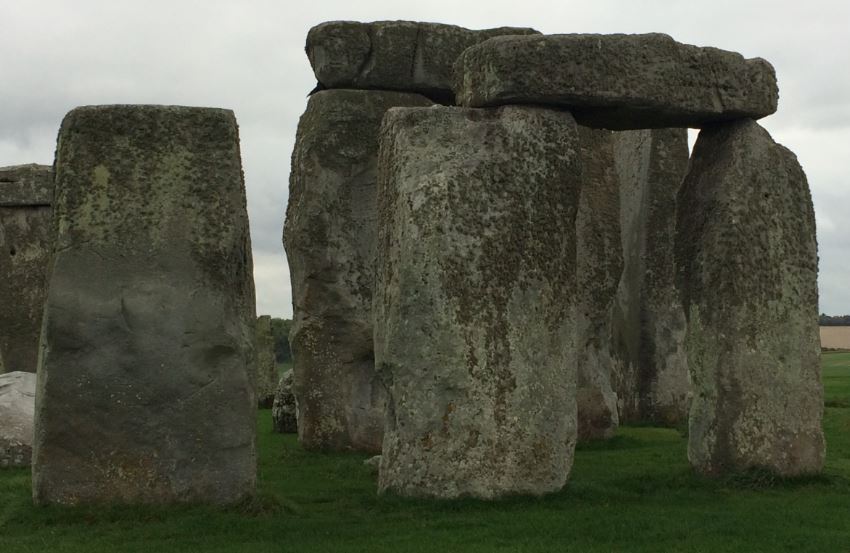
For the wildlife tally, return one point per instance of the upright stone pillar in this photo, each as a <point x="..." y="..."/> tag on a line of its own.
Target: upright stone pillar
<point x="747" y="256"/>
<point x="599" y="264"/>
<point x="651" y="375"/>
<point x="26" y="245"/>
<point x="146" y="381"/>
<point x="329" y="236"/>
<point x="266" y="367"/>
<point x="475" y="298"/>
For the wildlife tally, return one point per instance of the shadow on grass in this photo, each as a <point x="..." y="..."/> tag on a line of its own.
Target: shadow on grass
<point x="616" y="443"/>
<point x="837" y="403"/>
<point x="766" y="479"/>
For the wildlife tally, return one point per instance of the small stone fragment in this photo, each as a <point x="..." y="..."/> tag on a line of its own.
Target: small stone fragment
<point x="26" y="246"/>
<point x="329" y="236"/>
<point x="374" y="463"/>
<point x="284" y="408"/>
<point x="17" y="406"/>
<point x="617" y="81"/>
<point x="748" y="263"/>
<point x="148" y="368"/>
<point x="393" y="55"/>
<point x="475" y="300"/>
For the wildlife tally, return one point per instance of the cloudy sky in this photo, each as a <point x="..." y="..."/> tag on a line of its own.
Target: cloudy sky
<point x="249" y="56"/>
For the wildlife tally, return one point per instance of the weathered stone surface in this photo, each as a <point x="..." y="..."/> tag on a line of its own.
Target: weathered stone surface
<point x="284" y="408"/>
<point x="617" y="81"/>
<point x="266" y="366"/>
<point x="146" y="382"/>
<point x="329" y="236"/>
<point x="475" y="300"/>
<point x="748" y="263"/>
<point x="599" y="264"/>
<point x="392" y="55"/>
<point x="26" y="245"/>
<point x="651" y="375"/>
<point x="26" y="185"/>
<point x="17" y="404"/>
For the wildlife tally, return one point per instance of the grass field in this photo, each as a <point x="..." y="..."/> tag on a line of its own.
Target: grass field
<point x="633" y="493"/>
<point x="283" y="367"/>
<point x="836" y="379"/>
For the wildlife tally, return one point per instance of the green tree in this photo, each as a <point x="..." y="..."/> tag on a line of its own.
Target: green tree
<point x="280" y="331"/>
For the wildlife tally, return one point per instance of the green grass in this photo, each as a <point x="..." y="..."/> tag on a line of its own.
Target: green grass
<point x="283" y="367"/>
<point x="632" y="493"/>
<point x="836" y="379"/>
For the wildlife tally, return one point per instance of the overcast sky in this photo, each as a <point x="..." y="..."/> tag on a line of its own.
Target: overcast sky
<point x="249" y="56"/>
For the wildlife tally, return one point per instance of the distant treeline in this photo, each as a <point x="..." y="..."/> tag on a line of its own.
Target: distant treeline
<point x="838" y="320"/>
<point x="280" y="331"/>
<point x="281" y="327"/>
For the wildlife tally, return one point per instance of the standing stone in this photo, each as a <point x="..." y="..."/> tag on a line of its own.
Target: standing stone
<point x="748" y="265"/>
<point x="26" y="244"/>
<point x="285" y="409"/>
<point x="599" y="263"/>
<point x="393" y="55"/>
<point x="266" y="367"/>
<point x="651" y="375"/>
<point x="475" y="300"/>
<point x="617" y="81"/>
<point x="146" y="381"/>
<point x="329" y="236"/>
<point x="17" y="405"/>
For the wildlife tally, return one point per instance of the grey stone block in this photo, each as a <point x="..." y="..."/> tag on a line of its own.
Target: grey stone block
<point x="266" y="366"/>
<point x="17" y="406"/>
<point x="146" y="382"/>
<point x="748" y="264"/>
<point x="617" y="81"/>
<point x="26" y="247"/>
<point x="392" y="55"/>
<point x="475" y="300"/>
<point x="599" y="264"/>
<point x="651" y="372"/>
<point x="329" y="235"/>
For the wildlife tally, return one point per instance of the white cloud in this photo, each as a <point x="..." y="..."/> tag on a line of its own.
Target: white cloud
<point x="248" y="56"/>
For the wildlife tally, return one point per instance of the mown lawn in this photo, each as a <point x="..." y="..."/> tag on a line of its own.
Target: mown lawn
<point x="634" y="493"/>
<point x="836" y="379"/>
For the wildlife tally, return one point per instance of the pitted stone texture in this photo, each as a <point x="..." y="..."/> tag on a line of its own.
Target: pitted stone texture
<point x="285" y="409"/>
<point x="748" y="263"/>
<point x="26" y="185"/>
<point x="146" y="381"/>
<point x="475" y="300"/>
<point x="617" y="81"/>
<point x="599" y="264"/>
<point x="651" y="375"/>
<point x="266" y="366"/>
<point x="329" y="236"/>
<point x="26" y="245"/>
<point x="393" y="55"/>
<point x="17" y="405"/>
